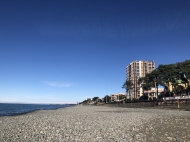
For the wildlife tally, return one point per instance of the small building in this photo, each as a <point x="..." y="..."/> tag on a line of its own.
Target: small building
<point x="115" y="97"/>
<point x="89" y="100"/>
<point x="152" y="92"/>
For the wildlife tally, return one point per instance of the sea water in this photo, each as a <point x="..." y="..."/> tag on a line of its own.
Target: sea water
<point x="7" y="109"/>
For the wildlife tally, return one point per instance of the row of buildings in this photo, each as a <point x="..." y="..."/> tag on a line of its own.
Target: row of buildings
<point x="138" y="69"/>
<point x="134" y="71"/>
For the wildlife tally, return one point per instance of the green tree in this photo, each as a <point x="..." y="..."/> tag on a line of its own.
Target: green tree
<point x="184" y="71"/>
<point x="84" y="102"/>
<point x="174" y="75"/>
<point x="99" y="100"/>
<point x="108" y="98"/>
<point x="145" y="84"/>
<point x="122" y="97"/>
<point x="127" y="85"/>
<point x="95" y="99"/>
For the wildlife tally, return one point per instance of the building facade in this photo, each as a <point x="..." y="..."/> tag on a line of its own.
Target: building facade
<point x="136" y="70"/>
<point x="115" y="97"/>
<point x="152" y="93"/>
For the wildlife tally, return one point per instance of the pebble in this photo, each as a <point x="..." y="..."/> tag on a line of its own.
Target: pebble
<point x="97" y="124"/>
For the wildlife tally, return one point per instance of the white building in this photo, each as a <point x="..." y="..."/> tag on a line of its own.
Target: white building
<point x="152" y="92"/>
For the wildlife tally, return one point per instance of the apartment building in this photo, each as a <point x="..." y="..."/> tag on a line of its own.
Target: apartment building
<point x="134" y="71"/>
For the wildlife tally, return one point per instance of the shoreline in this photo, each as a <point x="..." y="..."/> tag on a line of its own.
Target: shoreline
<point x="32" y="111"/>
<point x="120" y="105"/>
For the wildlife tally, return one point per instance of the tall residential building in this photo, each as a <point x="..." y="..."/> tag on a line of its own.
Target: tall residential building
<point x="134" y="71"/>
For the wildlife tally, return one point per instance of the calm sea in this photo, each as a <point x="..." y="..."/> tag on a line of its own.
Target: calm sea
<point x="15" y="109"/>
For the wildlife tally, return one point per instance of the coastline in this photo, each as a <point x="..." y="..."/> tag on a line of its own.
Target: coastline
<point x="97" y="123"/>
<point x="12" y="110"/>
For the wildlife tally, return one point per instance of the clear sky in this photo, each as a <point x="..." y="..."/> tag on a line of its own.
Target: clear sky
<point x="65" y="51"/>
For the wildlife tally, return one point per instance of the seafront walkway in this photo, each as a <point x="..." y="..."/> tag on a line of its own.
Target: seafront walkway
<point x="97" y="124"/>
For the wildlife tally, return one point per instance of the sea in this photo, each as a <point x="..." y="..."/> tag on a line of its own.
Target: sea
<point x="7" y="109"/>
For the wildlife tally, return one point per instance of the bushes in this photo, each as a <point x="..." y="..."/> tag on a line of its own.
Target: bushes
<point x="143" y="98"/>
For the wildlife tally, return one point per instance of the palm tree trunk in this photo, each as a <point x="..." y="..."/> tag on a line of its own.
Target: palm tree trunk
<point x="157" y="91"/>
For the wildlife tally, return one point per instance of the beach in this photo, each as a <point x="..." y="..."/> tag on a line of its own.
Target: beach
<point x="97" y="124"/>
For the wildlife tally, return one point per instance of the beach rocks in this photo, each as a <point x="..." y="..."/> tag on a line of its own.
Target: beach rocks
<point x="100" y="124"/>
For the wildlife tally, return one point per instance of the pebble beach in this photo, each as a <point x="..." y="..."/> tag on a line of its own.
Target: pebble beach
<point x="97" y="124"/>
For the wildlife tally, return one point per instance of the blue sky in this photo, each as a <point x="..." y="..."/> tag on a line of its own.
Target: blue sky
<point x="65" y="51"/>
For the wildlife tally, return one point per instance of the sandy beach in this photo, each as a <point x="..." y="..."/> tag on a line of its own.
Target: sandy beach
<point x="98" y="124"/>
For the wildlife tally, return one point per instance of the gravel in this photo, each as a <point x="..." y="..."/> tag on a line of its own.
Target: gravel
<point x="97" y="124"/>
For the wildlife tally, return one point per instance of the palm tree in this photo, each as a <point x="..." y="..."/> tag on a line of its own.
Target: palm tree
<point x="141" y="81"/>
<point x="107" y="99"/>
<point x="127" y="86"/>
<point x="146" y="84"/>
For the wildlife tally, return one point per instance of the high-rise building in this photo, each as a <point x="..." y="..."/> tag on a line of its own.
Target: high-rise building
<point x="134" y="71"/>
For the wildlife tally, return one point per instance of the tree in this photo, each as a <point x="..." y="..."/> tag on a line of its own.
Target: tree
<point x="145" y="84"/>
<point x="121" y="96"/>
<point x="95" y="99"/>
<point x="84" y="102"/>
<point x="99" y="100"/>
<point x="143" y="81"/>
<point x="184" y="71"/>
<point x="174" y="75"/>
<point x="127" y="86"/>
<point x="108" y="98"/>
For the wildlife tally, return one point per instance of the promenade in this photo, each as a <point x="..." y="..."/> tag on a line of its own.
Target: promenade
<point x="97" y="124"/>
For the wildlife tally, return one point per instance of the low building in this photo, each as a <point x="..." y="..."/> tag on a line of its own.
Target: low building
<point x="152" y="92"/>
<point x="89" y="100"/>
<point x="115" y="97"/>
